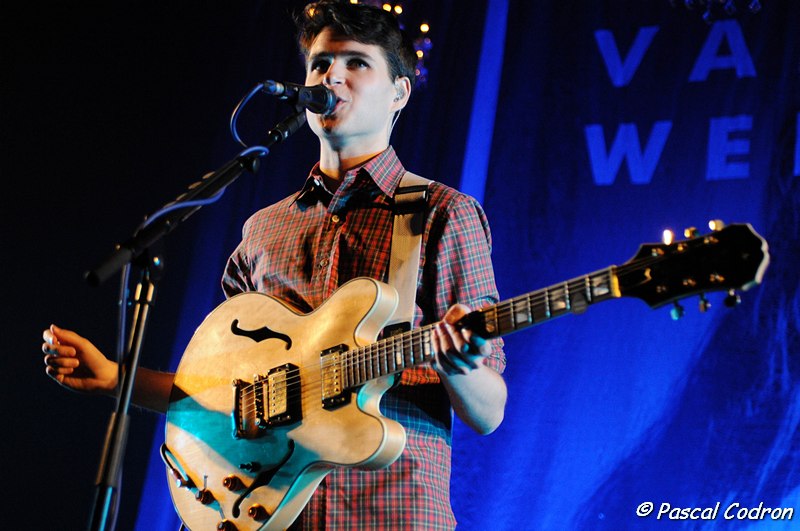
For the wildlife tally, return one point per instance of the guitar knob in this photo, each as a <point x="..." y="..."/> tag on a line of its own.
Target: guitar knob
<point x="226" y="525"/>
<point x="204" y="496"/>
<point x="232" y="483"/>
<point x="257" y="512"/>
<point x="716" y="224"/>
<point x="732" y="299"/>
<point x="704" y="304"/>
<point x="690" y="232"/>
<point x="677" y="311"/>
<point x="252" y="466"/>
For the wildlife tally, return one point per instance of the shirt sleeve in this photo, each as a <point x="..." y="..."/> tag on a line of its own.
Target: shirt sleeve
<point x="458" y="265"/>
<point x="237" y="277"/>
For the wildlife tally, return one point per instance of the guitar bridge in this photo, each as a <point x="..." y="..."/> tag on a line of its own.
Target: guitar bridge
<point x="271" y="400"/>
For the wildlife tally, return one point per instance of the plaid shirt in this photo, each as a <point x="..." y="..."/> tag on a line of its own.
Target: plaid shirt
<point x="302" y="249"/>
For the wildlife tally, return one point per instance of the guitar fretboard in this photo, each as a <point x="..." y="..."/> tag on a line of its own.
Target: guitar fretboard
<point x="394" y="354"/>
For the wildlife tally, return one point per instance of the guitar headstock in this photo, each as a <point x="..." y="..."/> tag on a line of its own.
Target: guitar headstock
<point x="728" y="259"/>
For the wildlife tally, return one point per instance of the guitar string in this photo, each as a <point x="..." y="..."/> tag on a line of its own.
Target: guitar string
<point x="373" y="353"/>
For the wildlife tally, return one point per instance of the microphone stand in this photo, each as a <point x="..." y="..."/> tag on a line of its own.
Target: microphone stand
<point x="136" y="249"/>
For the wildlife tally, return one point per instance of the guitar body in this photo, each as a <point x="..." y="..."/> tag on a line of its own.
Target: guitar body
<point x="272" y="472"/>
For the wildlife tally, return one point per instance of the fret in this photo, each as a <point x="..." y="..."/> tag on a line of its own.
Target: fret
<point x="604" y="285"/>
<point x="347" y="375"/>
<point x="505" y="319"/>
<point x="408" y="359"/>
<point x="538" y="303"/>
<point x="391" y="354"/>
<point x="357" y="366"/>
<point x="547" y="312"/>
<point x="383" y="361"/>
<point x="375" y="361"/>
<point x="342" y="369"/>
<point x="587" y="289"/>
<point x="521" y="311"/>
<point x="425" y="343"/>
<point x="490" y="321"/>
<point x="399" y="362"/>
<point x="368" y="368"/>
<point x="369" y="356"/>
<point x="359" y="363"/>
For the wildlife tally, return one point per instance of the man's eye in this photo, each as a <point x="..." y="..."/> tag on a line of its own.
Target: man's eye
<point x="320" y="66"/>
<point x="357" y="63"/>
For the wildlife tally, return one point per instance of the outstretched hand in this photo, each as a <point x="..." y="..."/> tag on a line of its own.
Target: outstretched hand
<point x="75" y="363"/>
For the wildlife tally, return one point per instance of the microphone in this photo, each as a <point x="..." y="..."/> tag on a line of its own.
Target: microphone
<point x="317" y="99"/>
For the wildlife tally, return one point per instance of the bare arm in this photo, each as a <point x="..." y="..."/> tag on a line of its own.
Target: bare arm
<point x="75" y="363"/>
<point x="477" y="392"/>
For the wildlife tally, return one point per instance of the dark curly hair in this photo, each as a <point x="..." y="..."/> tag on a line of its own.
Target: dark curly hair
<point x="363" y="23"/>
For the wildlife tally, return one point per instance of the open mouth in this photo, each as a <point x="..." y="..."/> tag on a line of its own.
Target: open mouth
<point x="339" y="103"/>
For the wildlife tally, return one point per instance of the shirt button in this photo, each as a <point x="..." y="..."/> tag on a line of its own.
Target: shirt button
<point x="335" y="218"/>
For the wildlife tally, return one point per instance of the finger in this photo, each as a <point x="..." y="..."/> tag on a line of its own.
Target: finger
<point x="470" y="360"/>
<point x="55" y="375"/>
<point x="62" y="335"/>
<point x="449" y="365"/>
<point x="478" y="343"/>
<point x="49" y="336"/>
<point x="455" y="313"/>
<point x="454" y="348"/>
<point x="456" y="338"/>
<point x="445" y="339"/>
<point x="463" y="350"/>
<point x="58" y="350"/>
<point x="59" y="362"/>
<point x="442" y="362"/>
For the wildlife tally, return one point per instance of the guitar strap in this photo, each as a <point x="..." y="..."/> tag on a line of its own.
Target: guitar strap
<point x="410" y="208"/>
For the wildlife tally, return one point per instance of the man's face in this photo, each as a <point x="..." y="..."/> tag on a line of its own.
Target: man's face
<point x="359" y="76"/>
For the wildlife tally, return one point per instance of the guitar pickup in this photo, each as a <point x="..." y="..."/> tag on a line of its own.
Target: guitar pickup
<point x="334" y="390"/>
<point x="271" y="400"/>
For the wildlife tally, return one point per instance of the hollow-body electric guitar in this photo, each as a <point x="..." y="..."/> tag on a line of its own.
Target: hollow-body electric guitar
<point x="268" y="400"/>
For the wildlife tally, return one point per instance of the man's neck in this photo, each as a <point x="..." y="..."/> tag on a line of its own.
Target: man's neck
<point x="334" y="164"/>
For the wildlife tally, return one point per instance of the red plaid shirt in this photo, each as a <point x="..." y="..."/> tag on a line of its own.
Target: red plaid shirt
<point x="302" y="249"/>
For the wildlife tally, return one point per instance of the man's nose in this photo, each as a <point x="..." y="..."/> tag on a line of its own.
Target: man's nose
<point x="334" y="74"/>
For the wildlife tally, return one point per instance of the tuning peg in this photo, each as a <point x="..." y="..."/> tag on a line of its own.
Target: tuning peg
<point x="704" y="305"/>
<point x="716" y="224"/>
<point x="667" y="237"/>
<point x="690" y="232"/>
<point x="677" y="311"/>
<point x="732" y="299"/>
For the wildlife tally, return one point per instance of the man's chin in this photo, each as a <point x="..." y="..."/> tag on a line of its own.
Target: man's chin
<point x="329" y="124"/>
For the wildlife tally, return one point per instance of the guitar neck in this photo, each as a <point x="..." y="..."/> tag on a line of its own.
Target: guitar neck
<point x="402" y="351"/>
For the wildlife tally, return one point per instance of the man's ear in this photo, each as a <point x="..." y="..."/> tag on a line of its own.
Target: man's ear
<point x="403" y="87"/>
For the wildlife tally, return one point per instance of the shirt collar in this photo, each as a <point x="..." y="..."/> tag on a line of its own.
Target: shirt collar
<point x="385" y="170"/>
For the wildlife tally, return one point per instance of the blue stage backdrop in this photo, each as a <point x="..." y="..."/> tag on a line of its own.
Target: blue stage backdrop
<point x="586" y="129"/>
